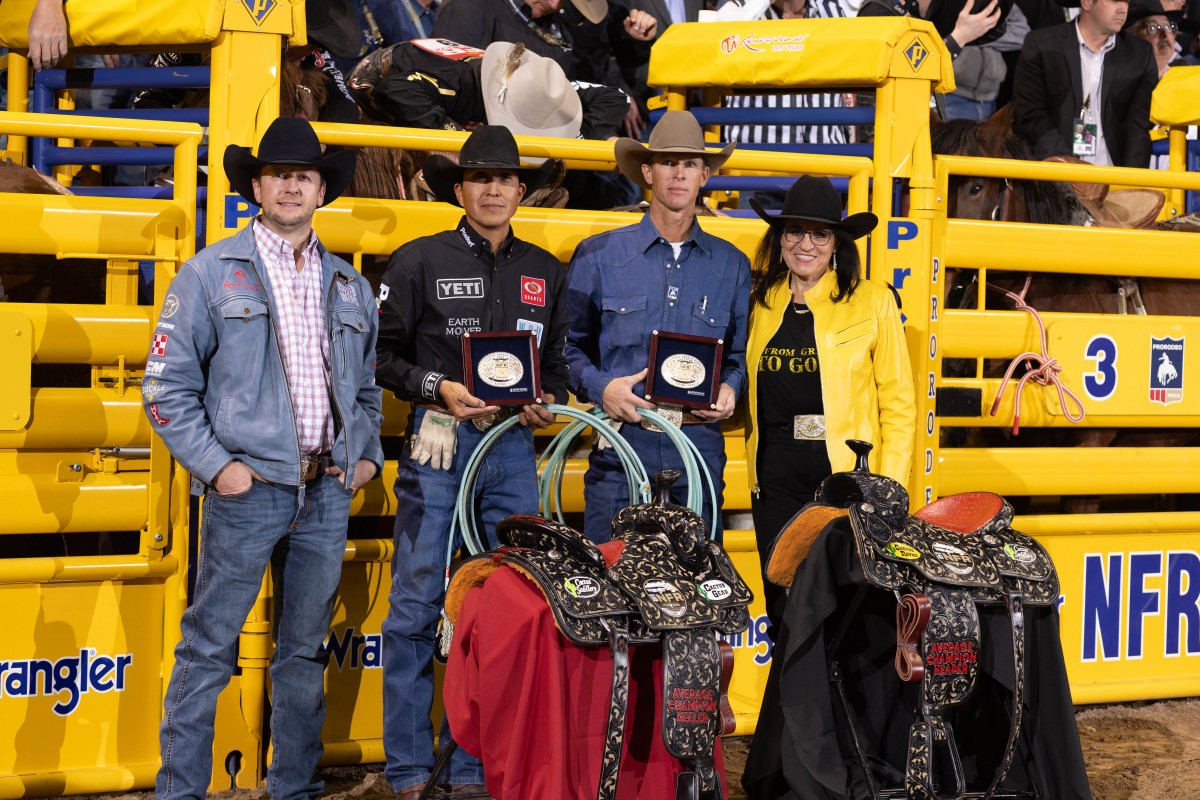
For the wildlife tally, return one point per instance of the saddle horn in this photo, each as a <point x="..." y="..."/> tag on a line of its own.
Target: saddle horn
<point x="861" y="449"/>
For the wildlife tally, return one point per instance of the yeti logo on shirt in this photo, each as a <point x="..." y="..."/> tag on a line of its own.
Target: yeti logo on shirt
<point x="460" y="288"/>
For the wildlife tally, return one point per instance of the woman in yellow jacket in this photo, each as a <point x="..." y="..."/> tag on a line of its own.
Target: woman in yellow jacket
<point x="826" y="359"/>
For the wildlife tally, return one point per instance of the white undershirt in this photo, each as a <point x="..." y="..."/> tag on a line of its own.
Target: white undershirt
<point x="676" y="248"/>
<point x="1091" y="65"/>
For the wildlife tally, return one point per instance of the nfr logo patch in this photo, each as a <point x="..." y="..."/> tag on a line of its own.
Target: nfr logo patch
<point x="259" y="9"/>
<point x="1166" y="370"/>
<point x="915" y="54"/>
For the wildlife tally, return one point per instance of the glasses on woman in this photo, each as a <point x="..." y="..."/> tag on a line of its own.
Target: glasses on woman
<point x="796" y="236"/>
<point x="1162" y="30"/>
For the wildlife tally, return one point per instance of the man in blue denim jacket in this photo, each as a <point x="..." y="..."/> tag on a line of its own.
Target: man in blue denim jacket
<point x="261" y="382"/>
<point x="663" y="273"/>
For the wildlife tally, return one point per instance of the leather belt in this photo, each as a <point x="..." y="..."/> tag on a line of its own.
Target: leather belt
<point x="313" y="466"/>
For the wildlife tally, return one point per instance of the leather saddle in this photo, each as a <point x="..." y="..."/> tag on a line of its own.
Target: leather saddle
<point x="659" y="580"/>
<point x="955" y="554"/>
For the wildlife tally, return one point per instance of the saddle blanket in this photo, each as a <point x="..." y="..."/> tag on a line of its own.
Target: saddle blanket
<point x="533" y="707"/>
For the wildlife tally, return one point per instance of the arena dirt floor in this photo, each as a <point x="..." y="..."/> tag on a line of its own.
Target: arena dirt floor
<point x="1133" y="751"/>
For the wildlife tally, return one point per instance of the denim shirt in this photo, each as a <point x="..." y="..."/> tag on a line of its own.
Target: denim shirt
<point x="625" y="283"/>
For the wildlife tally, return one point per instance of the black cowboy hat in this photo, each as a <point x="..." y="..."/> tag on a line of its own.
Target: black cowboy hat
<point x="488" y="147"/>
<point x="813" y="199"/>
<point x="1140" y="9"/>
<point x="290" y="141"/>
<point x="334" y="25"/>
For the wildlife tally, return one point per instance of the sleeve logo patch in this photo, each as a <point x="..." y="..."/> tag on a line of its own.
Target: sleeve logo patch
<point x="159" y="419"/>
<point x="158" y="347"/>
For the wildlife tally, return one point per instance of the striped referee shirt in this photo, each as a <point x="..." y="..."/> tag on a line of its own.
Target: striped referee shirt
<point x="792" y="134"/>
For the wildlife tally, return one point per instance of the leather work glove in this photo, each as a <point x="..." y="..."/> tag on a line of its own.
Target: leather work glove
<point x="436" y="440"/>
<point x="601" y="441"/>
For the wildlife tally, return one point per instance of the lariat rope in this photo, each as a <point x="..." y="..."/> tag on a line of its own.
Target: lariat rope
<point x="1047" y="369"/>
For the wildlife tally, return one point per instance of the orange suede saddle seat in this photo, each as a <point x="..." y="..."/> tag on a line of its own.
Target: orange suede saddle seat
<point x="963" y="513"/>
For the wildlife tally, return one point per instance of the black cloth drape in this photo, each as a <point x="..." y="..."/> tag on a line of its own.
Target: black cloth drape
<point x="801" y="749"/>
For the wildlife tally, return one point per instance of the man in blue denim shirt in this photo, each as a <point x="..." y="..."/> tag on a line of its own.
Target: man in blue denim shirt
<point x="663" y="273"/>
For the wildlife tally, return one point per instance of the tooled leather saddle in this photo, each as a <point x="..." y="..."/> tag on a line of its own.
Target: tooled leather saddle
<point x="659" y="580"/>
<point x="955" y="554"/>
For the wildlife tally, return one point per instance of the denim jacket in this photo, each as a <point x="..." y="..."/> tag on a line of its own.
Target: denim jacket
<point x="625" y="283"/>
<point x="215" y="389"/>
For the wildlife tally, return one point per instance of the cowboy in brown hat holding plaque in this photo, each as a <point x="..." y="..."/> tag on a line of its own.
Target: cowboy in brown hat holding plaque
<point x="475" y="277"/>
<point x="663" y="273"/>
<point x="261" y="383"/>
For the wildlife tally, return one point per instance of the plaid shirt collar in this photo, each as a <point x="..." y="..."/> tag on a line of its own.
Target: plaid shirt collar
<point x="273" y="247"/>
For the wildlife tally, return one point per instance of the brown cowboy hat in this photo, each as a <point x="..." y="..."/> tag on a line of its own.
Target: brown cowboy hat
<point x="290" y="141"/>
<point x="677" y="132"/>
<point x="812" y="199"/>
<point x="488" y="147"/>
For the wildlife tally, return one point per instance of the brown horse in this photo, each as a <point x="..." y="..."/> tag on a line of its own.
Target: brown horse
<point x="1046" y="202"/>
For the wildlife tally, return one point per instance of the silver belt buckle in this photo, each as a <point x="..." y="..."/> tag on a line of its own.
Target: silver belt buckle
<point x="673" y="415"/>
<point x="808" y="426"/>
<point x="486" y="423"/>
<point x="310" y="467"/>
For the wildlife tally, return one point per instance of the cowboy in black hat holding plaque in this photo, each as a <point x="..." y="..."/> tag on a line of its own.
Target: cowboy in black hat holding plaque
<point x="476" y="277"/>
<point x="261" y="383"/>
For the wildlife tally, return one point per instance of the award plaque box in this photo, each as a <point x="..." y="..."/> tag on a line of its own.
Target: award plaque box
<point x="684" y="370"/>
<point x="502" y="367"/>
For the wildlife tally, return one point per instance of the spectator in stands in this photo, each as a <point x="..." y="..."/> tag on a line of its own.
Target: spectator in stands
<point x="1151" y="21"/>
<point x="48" y="41"/>
<point x="980" y="70"/>
<point x="499" y="283"/>
<point x="436" y="83"/>
<point x="662" y="273"/>
<point x="261" y="383"/>
<point x="827" y="362"/>
<point x="543" y="26"/>
<point x="788" y="134"/>
<point x="1061" y="105"/>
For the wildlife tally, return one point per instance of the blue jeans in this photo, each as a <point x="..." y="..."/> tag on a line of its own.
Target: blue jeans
<point x="606" y="490"/>
<point x="959" y="107"/>
<point x="300" y="532"/>
<point x="425" y="498"/>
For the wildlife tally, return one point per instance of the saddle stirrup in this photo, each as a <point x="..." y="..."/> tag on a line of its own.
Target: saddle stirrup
<point x="614" y="734"/>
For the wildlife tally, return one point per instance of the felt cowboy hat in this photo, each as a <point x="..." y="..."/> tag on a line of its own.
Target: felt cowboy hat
<point x="290" y="141"/>
<point x="812" y="199"/>
<point x="334" y="25"/>
<point x="488" y="147"/>
<point x="1140" y="9"/>
<point x="529" y="94"/>
<point x="678" y="133"/>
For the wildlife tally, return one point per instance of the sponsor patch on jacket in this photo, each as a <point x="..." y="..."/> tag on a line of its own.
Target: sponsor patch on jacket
<point x="347" y="292"/>
<point x="460" y="288"/>
<point x="155" y="367"/>
<point x="158" y="346"/>
<point x="159" y="419"/>
<point x="533" y="291"/>
<point x="384" y="291"/>
<point x="448" y="49"/>
<point x="170" y="306"/>
<point x="530" y="325"/>
<point x="240" y="280"/>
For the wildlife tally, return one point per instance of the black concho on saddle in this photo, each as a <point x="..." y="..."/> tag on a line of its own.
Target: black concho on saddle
<point x="663" y="581"/>
<point x="952" y="555"/>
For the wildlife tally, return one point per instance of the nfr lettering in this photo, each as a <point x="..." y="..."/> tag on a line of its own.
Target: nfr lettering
<point x="70" y="678"/>
<point x="1117" y="599"/>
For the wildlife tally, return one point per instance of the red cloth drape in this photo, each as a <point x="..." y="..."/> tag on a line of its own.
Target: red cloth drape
<point x="533" y="707"/>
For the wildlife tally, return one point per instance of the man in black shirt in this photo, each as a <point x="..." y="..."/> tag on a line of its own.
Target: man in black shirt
<point x="477" y="277"/>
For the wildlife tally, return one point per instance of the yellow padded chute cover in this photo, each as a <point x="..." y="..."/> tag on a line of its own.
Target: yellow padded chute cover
<point x="1174" y="99"/>
<point x="801" y="53"/>
<point x="128" y="23"/>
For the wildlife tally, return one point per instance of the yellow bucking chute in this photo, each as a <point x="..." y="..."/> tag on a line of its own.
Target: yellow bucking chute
<point x="795" y="54"/>
<point x="151" y="24"/>
<point x="1174" y="100"/>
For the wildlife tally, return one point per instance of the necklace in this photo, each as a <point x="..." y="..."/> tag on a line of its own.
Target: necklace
<point x="799" y="308"/>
